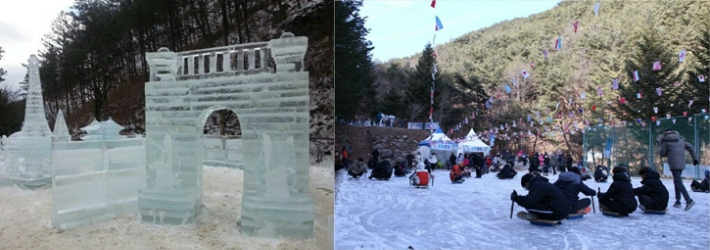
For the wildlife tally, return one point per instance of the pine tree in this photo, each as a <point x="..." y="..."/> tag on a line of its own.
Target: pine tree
<point x="695" y="89"/>
<point x="649" y="49"/>
<point x="392" y="103"/>
<point x="353" y="75"/>
<point x="419" y="89"/>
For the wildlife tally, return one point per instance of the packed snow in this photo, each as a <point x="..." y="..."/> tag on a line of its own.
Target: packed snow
<point x="25" y="220"/>
<point x="371" y="214"/>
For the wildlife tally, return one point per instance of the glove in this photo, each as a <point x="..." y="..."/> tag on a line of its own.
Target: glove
<point x="513" y="195"/>
<point x="695" y="162"/>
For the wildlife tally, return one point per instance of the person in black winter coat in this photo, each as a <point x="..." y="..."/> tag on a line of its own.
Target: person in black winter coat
<point x="399" y="170"/>
<point x="569" y="161"/>
<point x="534" y="163"/>
<point x="478" y="163"/>
<point x="703" y="186"/>
<point x="619" y="198"/>
<point x="383" y="171"/>
<point x="506" y="172"/>
<point x="599" y="175"/>
<point x="376" y="156"/>
<point x="570" y="183"/>
<point x="653" y="195"/>
<point x="544" y="200"/>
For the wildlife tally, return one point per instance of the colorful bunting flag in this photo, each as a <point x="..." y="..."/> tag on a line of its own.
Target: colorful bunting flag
<point x="596" y="9"/>
<point x="615" y="84"/>
<point x="532" y="64"/>
<point x="575" y="24"/>
<point x="433" y="3"/>
<point x="658" y="91"/>
<point x="639" y="95"/>
<point x="655" y="110"/>
<point x="508" y="89"/>
<point x="668" y="115"/>
<point x="544" y="52"/>
<point x="690" y="119"/>
<point x="622" y="100"/>
<point x="636" y="76"/>
<point x="690" y="103"/>
<point x="558" y="43"/>
<point x="681" y="56"/>
<point x="685" y="113"/>
<point x="439" y="26"/>
<point x="656" y="65"/>
<point x="701" y="78"/>
<point x="599" y="91"/>
<point x="676" y="84"/>
<point x="594" y="107"/>
<point x="525" y="74"/>
<point x="515" y="83"/>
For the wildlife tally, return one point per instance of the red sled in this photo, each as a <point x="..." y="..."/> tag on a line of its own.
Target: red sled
<point x="423" y="177"/>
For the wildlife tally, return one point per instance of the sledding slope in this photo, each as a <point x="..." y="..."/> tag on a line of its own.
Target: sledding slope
<point x="474" y="215"/>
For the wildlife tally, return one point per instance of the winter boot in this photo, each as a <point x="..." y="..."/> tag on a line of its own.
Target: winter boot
<point x="526" y="216"/>
<point x="689" y="205"/>
<point x="677" y="204"/>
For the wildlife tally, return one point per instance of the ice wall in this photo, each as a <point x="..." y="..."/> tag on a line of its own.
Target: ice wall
<point x="95" y="180"/>
<point x="28" y="152"/>
<point x="272" y="106"/>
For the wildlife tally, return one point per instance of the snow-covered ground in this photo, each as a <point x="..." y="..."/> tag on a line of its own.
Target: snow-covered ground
<point x="372" y="214"/>
<point x="25" y="221"/>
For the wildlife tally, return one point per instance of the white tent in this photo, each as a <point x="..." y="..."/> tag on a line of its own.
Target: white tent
<point x="474" y="146"/>
<point x="440" y="144"/>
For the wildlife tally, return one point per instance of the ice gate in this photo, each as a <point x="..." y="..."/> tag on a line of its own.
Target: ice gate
<point x="272" y="105"/>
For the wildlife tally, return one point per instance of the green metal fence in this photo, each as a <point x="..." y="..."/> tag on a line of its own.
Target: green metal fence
<point x="636" y="146"/>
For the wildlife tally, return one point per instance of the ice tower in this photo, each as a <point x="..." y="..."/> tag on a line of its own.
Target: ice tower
<point x="61" y="132"/>
<point x="29" y="151"/>
<point x="272" y="105"/>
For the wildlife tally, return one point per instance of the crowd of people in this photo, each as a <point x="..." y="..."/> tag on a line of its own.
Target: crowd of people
<point x="545" y="200"/>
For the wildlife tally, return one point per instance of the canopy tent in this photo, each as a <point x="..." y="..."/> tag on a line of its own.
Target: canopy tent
<point x="439" y="141"/>
<point x="439" y="144"/>
<point x="475" y="145"/>
<point x="471" y="135"/>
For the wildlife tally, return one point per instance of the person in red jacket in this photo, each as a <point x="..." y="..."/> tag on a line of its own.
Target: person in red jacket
<point x="345" y="157"/>
<point x="455" y="174"/>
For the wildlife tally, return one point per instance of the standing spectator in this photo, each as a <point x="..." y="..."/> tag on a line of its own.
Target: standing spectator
<point x="452" y="161"/>
<point x="561" y="162"/>
<point x="673" y="148"/>
<point x="569" y="161"/>
<point x="410" y="160"/>
<point x="344" y="155"/>
<point x="433" y="161"/>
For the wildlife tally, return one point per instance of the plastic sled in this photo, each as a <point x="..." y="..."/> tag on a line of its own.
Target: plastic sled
<point x="658" y="212"/>
<point x="575" y="216"/>
<point x="613" y="214"/>
<point x="457" y="182"/>
<point x="698" y="190"/>
<point x="546" y="223"/>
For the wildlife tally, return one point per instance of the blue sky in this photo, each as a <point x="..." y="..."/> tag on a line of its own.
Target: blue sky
<point x="402" y="28"/>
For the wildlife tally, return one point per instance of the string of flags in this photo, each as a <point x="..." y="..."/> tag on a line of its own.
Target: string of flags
<point x="550" y="128"/>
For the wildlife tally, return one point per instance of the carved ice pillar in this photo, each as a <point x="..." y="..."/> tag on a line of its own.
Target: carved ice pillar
<point x="276" y="200"/>
<point x="171" y="195"/>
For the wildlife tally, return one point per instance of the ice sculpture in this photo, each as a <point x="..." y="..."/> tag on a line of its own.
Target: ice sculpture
<point x="28" y="152"/>
<point x="186" y="87"/>
<point x="96" y="180"/>
<point x="61" y="132"/>
<point x="106" y="130"/>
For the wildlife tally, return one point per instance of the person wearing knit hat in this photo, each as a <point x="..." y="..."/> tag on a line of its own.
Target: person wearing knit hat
<point x="619" y="198"/>
<point x="544" y="200"/>
<point x="421" y="176"/>
<point x="653" y="195"/>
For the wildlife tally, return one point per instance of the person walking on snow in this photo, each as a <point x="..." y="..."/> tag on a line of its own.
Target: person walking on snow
<point x="673" y="148"/>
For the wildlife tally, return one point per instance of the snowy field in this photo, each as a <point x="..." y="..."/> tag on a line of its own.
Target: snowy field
<point x="25" y="221"/>
<point x="372" y="214"/>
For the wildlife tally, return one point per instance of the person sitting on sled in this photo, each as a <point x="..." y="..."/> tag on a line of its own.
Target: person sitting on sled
<point x="619" y="198"/>
<point x="420" y="177"/>
<point x="399" y="170"/>
<point x="455" y="174"/>
<point x="358" y="169"/>
<point x="570" y="183"/>
<point x="507" y="172"/>
<point x="465" y="170"/>
<point x="544" y="200"/>
<point x="653" y="195"/>
<point x="383" y="170"/>
<point x="599" y="174"/>
<point x="703" y="186"/>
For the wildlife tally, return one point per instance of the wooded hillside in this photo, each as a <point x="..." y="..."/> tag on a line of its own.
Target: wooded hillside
<point x="625" y="36"/>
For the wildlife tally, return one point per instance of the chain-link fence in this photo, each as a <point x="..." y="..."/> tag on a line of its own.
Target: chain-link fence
<point x="635" y="146"/>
